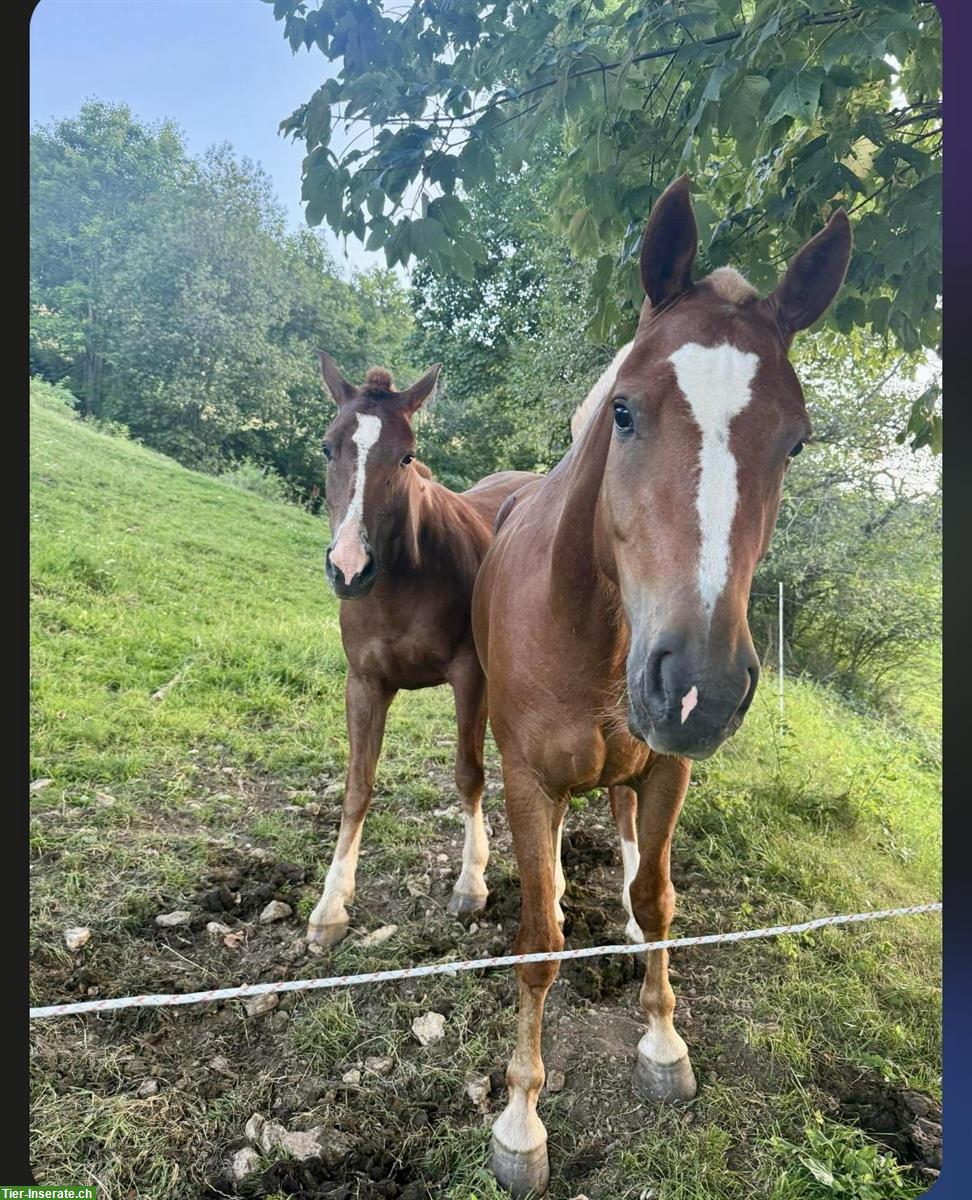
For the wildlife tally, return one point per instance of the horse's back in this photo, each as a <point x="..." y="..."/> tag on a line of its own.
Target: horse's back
<point x="490" y="493"/>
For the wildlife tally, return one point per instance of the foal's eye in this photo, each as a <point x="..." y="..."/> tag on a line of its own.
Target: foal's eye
<point x="622" y="418"/>
<point x="326" y="447"/>
<point x="796" y="450"/>
<point x="407" y="459"/>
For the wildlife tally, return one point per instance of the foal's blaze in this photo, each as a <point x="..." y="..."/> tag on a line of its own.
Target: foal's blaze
<point x="369" y="447"/>
<point x="707" y="411"/>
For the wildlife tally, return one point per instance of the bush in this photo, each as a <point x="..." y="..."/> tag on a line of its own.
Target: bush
<point x="54" y="396"/>
<point x="249" y="476"/>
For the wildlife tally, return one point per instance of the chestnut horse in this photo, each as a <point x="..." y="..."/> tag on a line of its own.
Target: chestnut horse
<point x="610" y="610"/>
<point x="403" y="558"/>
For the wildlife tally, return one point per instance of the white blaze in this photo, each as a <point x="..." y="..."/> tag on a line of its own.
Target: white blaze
<point x="348" y="550"/>
<point x="716" y="382"/>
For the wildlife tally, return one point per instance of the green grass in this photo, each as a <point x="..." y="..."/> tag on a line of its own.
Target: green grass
<point x="144" y="573"/>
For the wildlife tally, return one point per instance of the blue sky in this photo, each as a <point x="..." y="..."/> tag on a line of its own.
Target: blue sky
<point x="220" y="68"/>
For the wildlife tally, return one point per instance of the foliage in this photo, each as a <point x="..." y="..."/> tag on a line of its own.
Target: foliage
<point x="168" y="294"/>
<point x="248" y="476"/>
<point x="837" y="1162"/>
<point x="858" y="542"/>
<point x="780" y="109"/>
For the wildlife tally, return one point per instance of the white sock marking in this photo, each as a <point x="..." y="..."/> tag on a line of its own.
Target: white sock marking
<point x="348" y="550"/>
<point x="715" y="381"/>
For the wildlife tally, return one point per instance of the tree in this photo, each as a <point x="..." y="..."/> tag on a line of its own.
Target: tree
<point x="167" y="292"/>
<point x="780" y="109"/>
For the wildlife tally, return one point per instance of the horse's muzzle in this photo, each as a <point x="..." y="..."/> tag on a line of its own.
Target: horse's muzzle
<point x="680" y="704"/>
<point x="359" y="585"/>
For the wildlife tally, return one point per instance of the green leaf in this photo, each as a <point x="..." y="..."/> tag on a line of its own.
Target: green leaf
<point x="798" y="98"/>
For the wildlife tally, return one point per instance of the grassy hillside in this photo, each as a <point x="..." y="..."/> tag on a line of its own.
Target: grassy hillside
<point x="815" y="1055"/>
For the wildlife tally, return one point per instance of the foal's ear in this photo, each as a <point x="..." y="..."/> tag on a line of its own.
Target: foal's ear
<point x="814" y="276"/>
<point x="414" y="397"/>
<point x="669" y="245"/>
<point x="337" y="385"/>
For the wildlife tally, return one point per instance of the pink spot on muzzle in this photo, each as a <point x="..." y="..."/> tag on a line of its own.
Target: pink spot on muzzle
<point x="348" y="554"/>
<point x="689" y="701"/>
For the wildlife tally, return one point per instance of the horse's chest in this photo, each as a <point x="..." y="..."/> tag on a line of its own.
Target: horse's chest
<point x="404" y="650"/>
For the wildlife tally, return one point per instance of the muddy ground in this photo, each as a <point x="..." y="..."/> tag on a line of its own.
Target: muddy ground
<point x="378" y="1127"/>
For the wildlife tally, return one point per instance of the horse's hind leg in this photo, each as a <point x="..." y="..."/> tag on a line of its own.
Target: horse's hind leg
<point x="367" y="704"/>
<point x="469" y="688"/>
<point x="663" y="1070"/>
<point x="519" y="1144"/>
<point x="624" y="809"/>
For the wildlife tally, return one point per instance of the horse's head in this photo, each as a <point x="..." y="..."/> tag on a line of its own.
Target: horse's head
<point x="707" y="414"/>
<point x="370" y="447"/>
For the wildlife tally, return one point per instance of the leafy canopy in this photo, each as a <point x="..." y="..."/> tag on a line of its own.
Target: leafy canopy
<point x="780" y="109"/>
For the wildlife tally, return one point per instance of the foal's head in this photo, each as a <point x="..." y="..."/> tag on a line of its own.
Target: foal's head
<point x="707" y="414"/>
<point x="370" y="448"/>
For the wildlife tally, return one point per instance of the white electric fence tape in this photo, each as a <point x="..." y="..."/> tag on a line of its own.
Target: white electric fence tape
<point x="475" y="964"/>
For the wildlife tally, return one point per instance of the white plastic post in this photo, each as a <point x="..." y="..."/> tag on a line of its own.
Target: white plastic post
<point x="781" y="650"/>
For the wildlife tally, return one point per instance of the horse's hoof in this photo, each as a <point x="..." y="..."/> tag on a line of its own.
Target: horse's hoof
<point x="670" y="1083"/>
<point x="521" y="1172"/>
<point x="325" y="936"/>
<point x="462" y="902"/>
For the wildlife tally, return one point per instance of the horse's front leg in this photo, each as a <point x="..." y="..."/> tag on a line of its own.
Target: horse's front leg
<point x="624" y="809"/>
<point x="469" y="688"/>
<point x="519" y="1147"/>
<point x="367" y="703"/>
<point x="663" y="1070"/>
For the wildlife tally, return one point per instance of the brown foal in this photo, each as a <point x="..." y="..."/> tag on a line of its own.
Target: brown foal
<point x="610" y="610"/>
<point x="403" y="558"/>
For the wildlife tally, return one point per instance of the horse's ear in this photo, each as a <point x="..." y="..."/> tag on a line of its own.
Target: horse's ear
<point x="669" y="245"/>
<point x="337" y="385"/>
<point x="814" y="276"/>
<point x="414" y="397"/>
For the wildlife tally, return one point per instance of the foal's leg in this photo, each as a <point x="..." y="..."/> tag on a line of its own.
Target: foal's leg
<point x="367" y="704"/>
<point x="663" y="1070"/>
<point x="469" y="688"/>
<point x="624" y="809"/>
<point x="519" y="1149"/>
<point x="560" y="883"/>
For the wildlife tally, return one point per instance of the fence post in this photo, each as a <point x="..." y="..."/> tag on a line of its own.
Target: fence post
<point x="780" y="669"/>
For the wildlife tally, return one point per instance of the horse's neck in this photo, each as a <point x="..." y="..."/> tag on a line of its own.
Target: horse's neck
<point x="578" y="581"/>
<point x="423" y="528"/>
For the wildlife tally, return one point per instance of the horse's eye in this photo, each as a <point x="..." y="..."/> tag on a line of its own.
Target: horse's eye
<point x="622" y="418"/>
<point x="796" y="449"/>
<point x="407" y="459"/>
<point x="326" y="447"/>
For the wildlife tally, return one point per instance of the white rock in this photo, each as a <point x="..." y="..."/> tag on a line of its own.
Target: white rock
<point x="179" y="917"/>
<point x="555" y="1081"/>
<point x="380" y="1064"/>
<point x="313" y="808"/>
<point x="74" y="939"/>
<point x="243" y="1163"/>
<point x="473" y="927"/>
<point x="273" y="1136"/>
<point x="418" y="886"/>
<point x="352" y="1077"/>
<point x="377" y="936"/>
<point x="276" y="910"/>
<point x="429" y="1028"/>
<point x="478" y="1091"/>
<point x="254" y="1127"/>
<point x="39" y="784"/>
<point x="217" y="927"/>
<point x="148" y="1087"/>
<point x="443" y="858"/>
<point x="256" y="1006"/>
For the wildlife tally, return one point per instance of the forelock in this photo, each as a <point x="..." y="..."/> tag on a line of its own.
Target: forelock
<point x="729" y="285"/>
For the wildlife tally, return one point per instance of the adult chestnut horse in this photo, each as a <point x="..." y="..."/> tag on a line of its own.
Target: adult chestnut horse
<point x="610" y="610"/>
<point x="403" y="558"/>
